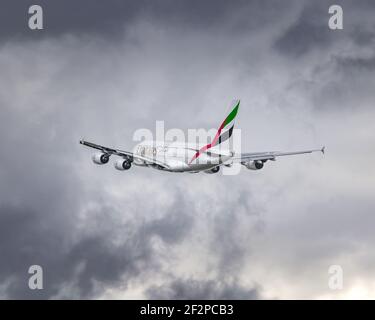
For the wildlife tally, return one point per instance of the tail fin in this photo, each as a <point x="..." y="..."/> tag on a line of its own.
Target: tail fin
<point x="224" y="132"/>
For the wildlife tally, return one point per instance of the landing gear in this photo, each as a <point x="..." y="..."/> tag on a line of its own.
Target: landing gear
<point x="215" y="170"/>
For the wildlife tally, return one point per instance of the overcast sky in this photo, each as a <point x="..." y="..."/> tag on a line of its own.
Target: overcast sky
<point x="103" y="69"/>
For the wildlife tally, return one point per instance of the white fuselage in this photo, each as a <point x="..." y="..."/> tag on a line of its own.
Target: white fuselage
<point x="178" y="156"/>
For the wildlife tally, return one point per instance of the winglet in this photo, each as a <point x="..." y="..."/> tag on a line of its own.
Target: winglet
<point x="323" y="148"/>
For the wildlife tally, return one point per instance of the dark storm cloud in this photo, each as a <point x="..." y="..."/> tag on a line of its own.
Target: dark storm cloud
<point x="339" y="63"/>
<point x="28" y="238"/>
<point x="29" y="242"/>
<point x="308" y="32"/>
<point x="201" y="289"/>
<point x="110" y="18"/>
<point x="67" y="16"/>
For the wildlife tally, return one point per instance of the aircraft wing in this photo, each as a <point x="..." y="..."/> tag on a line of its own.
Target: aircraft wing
<point x="122" y="153"/>
<point x="263" y="156"/>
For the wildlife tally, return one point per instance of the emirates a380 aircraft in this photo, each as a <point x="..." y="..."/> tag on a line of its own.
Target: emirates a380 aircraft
<point x="186" y="157"/>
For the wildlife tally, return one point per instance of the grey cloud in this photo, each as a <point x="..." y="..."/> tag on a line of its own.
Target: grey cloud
<point x="355" y="64"/>
<point x="175" y="225"/>
<point x="29" y="238"/>
<point x="109" y="19"/>
<point x="363" y="35"/>
<point x="308" y="32"/>
<point x="233" y="245"/>
<point x="108" y="71"/>
<point x="201" y="289"/>
<point x="67" y="16"/>
<point x="343" y="82"/>
<point x="26" y="241"/>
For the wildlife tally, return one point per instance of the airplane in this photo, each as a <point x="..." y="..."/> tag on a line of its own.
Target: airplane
<point x="187" y="157"/>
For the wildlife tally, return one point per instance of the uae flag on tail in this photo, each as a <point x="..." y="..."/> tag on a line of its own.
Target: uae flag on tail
<point x="224" y="132"/>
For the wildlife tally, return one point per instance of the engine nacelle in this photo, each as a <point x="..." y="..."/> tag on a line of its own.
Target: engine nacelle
<point x="100" y="158"/>
<point x="213" y="170"/>
<point x="254" y="165"/>
<point x="123" y="164"/>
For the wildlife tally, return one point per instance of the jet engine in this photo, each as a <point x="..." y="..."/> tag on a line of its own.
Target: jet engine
<point x="123" y="164"/>
<point x="100" y="158"/>
<point x="254" y="165"/>
<point x="213" y="170"/>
